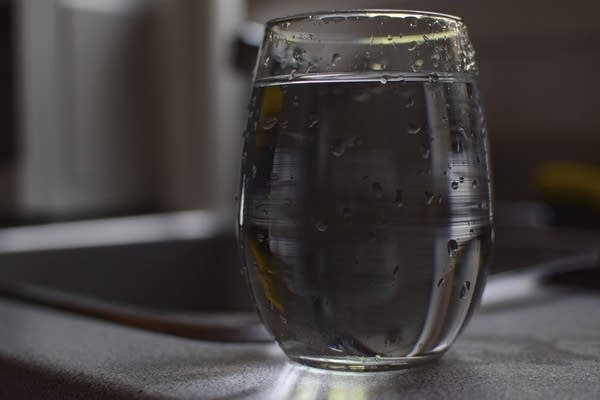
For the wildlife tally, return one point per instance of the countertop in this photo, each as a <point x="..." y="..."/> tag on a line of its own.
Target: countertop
<point x="544" y="348"/>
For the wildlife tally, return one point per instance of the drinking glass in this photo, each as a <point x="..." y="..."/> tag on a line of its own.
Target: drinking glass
<point x="365" y="216"/>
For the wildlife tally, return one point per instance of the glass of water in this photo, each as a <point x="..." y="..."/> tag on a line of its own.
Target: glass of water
<point x="365" y="215"/>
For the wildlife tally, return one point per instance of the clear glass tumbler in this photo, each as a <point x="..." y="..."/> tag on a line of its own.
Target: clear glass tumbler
<point x="365" y="222"/>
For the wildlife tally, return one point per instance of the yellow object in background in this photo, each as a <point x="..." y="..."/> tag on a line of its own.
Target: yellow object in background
<point x="572" y="183"/>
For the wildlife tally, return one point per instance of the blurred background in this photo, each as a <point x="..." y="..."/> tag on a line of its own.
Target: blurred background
<point x="118" y="107"/>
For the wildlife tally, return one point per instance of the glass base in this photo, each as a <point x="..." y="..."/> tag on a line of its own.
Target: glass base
<point x="359" y="364"/>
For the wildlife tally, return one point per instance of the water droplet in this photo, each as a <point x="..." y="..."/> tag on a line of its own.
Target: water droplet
<point x="270" y="123"/>
<point x="412" y="22"/>
<point x="454" y="185"/>
<point x="372" y="237"/>
<point x="461" y="179"/>
<point x="399" y="198"/>
<point x="410" y="102"/>
<point x="465" y="289"/>
<point x="339" y="148"/>
<point x="322" y="225"/>
<point x="425" y="152"/>
<point x="292" y="74"/>
<point x="396" y="269"/>
<point x="260" y="237"/>
<point x="440" y="283"/>
<point x="413" y="129"/>
<point x="296" y="101"/>
<point x="390" y="37"/>
<point x="429" y="198"/>
<point x="474" y="184"/>
<point x="254" y="171"/>
<point x="346" y="212"/>
<point x="417" y="65"/>
<point x="383" y="80"/>
<point x="435" y="60"/>
<point x="285" y="25"/>
<point x="452" y="247"/>
<point x="312" y="121"/>
<point x="433" y="78"/>
<point x="412" y="46"/>
<point x="335" y="59"/>
<point x="377" y="190"/>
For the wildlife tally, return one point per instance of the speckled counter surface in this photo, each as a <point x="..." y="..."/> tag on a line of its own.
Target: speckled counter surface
<point x="547" y="349"/>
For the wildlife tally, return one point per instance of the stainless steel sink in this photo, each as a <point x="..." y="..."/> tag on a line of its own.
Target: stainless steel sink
<point x="174" y="273"/>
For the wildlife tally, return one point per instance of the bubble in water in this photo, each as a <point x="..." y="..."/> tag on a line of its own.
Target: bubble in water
<point x="452" y="247"/>
<point x="429" y="198"/>
<point x="413" y="129"/>
<point x="399" y="198"/>
<point x="465" y="289"/>
<point x="270" y="123"/>
<point x="335" y="59"/>
<point x="254" y="171"/>
<point x="454" y="185"/>
<point x="412" y="46"/>
<point x="322" y="225"/>
<point x="441" y="283"/>
<point x="377" y="190"/>
<point x="410" y="102"/>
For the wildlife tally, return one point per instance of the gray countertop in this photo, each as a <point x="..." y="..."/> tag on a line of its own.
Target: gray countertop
<point x="546" y="348"/>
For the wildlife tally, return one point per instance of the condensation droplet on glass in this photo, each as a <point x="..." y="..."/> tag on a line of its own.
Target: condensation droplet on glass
<point x="339" y="148"/>
<point x="413" y="129"/>
<point x="322" y="225"/>
<point x="417" y="65"/>
<point x="399" y="198"/>
<point x="452" y="247"/>
<point x="377" y="190"/>
<point x="270" y="123"/>
<point x="429" y="198"/>
<point x="335" y="58"/>
<point x="454" y="185"/>
<point x="346" y="212"/>
<point x="372" y="237"/>
<point x="465" y="289"/>
<point x="312" y="121"/>
<point x="296" y="101"/>
<point x="425" y="152"/>
<point x="383" y="80"/>
<point x="292" y="75"/>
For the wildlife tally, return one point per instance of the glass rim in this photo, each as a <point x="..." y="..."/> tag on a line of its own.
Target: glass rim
<point x="393" y="13"/>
